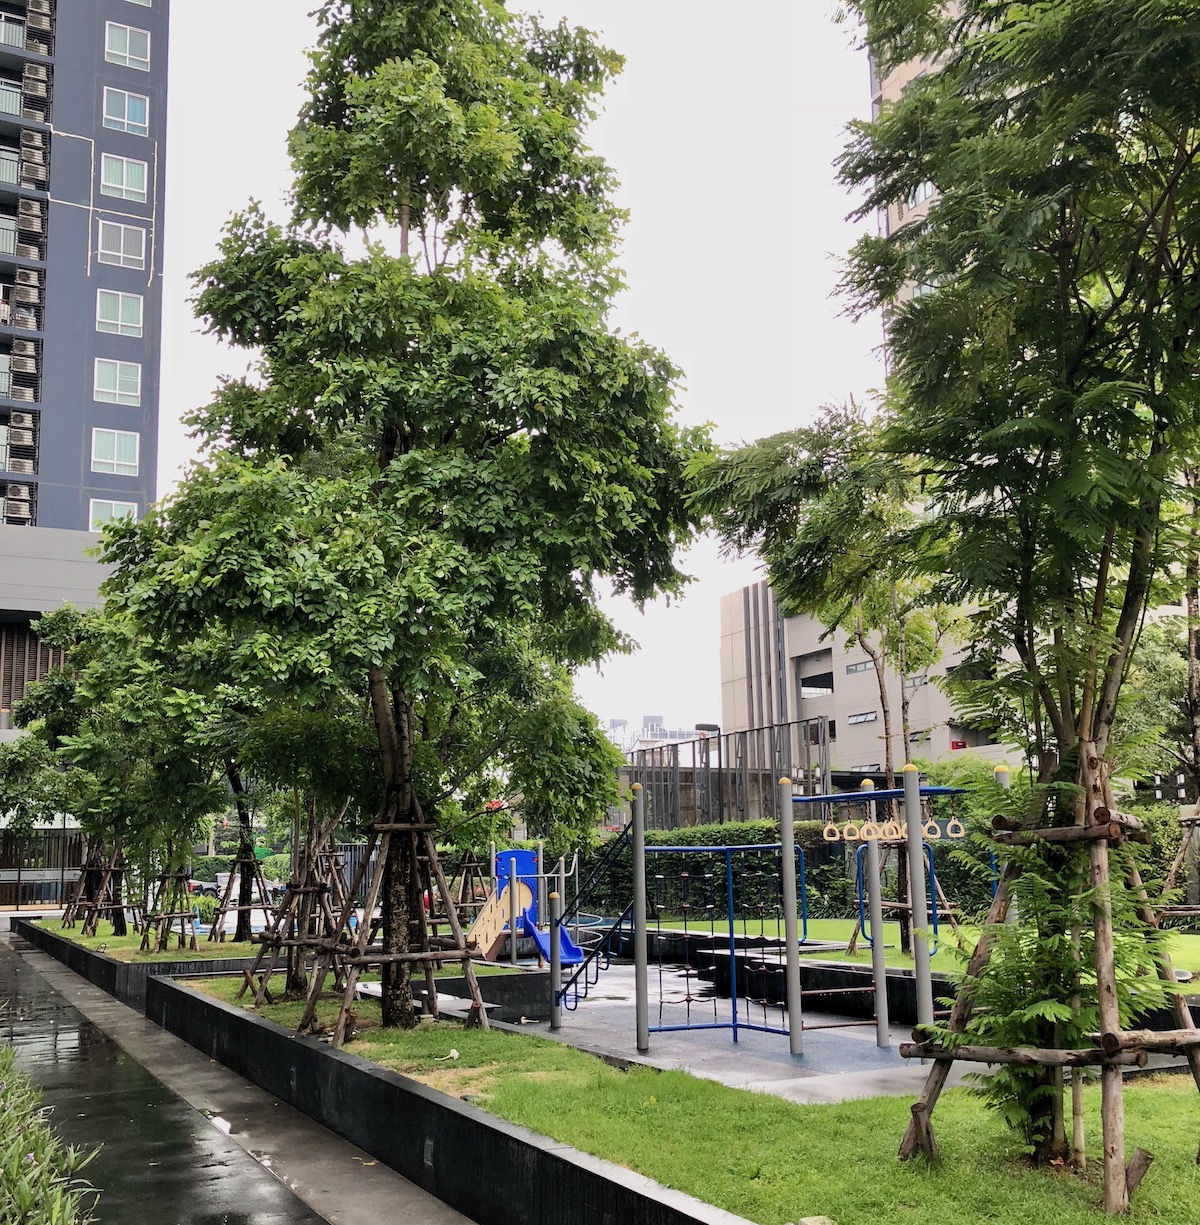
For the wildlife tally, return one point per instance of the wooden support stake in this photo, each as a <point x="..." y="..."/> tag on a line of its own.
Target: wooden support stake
<point x="1108" y="831"/>
<point x="1135" y="1171"/>
<point x="1024" y="1055"/>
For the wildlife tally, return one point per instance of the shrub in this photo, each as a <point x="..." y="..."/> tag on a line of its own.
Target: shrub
<point x="277" y="867"/>
<point x="206" y="908"/>
<point x="39" y="1183"/>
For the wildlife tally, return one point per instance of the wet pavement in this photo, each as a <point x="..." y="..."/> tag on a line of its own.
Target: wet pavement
<point x="203" y="1148"/>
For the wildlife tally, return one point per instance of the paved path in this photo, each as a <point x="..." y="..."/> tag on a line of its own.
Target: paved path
<point x="184" y="1140"/>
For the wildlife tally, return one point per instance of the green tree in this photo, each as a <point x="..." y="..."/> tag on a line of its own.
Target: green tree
<point x="1044" y="385"/>
<point x="445" y="446"/>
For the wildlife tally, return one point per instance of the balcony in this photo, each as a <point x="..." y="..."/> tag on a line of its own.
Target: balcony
<point x="10" y="98"/>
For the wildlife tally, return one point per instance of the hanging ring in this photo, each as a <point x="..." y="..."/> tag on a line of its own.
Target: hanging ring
<point x="954" y="828"/>
<point x="890" y="830"/>
<point x="870" y="831"/>
<point x="932" y="830"/>
<point x="830" y="832"/>
<point x="850" y="832"/>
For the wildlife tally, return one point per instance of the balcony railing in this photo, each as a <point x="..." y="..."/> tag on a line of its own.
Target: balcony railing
<point x="10" y="99"/>
<point x="12" y="33"/>
<point x="10" y="167"/>
<point x="5" y="383"/>
<point x="8" y="239"/>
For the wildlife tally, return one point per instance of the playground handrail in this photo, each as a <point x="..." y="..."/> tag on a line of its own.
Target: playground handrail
<point x="599" y="870"/>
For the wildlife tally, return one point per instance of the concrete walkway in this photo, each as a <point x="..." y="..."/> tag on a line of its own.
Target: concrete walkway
<point x="838" y="1064"/>
<point x="184" y="1141"/>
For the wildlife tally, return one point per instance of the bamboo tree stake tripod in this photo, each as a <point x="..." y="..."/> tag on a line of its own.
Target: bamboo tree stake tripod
<point x="353" y="956"/>
<point x="1114" y="1048"/>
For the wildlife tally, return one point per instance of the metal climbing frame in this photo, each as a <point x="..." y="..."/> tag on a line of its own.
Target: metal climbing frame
<point x="701" y="957"/>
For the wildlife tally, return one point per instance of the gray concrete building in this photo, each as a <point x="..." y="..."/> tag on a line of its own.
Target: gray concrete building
<point x="779" y="670"/>
<point x="83" y="93"/>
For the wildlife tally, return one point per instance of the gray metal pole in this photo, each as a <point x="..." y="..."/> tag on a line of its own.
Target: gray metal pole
<point x="641" y="968"/>
<point x="919" y="888"/>
<point x="512" y="911"/>
<point x="492" y="873"/>
<point x="791" y="925"/>
<point x="555" y="962"/>
<point x="883" y="1035"/>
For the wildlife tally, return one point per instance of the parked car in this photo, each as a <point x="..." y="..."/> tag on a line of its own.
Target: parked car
<point x="205" y="888"/>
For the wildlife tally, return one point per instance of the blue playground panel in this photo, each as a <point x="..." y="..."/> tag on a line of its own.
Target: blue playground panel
<point x="526" y="871"/>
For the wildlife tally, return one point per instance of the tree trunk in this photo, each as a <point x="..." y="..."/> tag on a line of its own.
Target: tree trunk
<point x="1193" y="630"/>
<point x="245" y="852"/>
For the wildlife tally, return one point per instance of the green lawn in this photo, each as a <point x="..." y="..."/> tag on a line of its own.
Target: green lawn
<point x="128" y="948"/>
<point x="774" y="1161"/>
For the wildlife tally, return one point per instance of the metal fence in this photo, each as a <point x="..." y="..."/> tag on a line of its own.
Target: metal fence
<point x="38" y="869"/>
<point x="732" y="776"/>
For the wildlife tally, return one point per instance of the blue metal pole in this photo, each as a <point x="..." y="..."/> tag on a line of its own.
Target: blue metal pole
<point x="733" y="993"/>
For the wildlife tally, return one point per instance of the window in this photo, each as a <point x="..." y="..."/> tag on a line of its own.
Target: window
<point x="10" y="97"/>
<point x="915" y="682"/>
<point x="8" y="235"/>
<point x="118" y="382"/>
<point x="104" y="510"/>
<point x="921" y="193"/>
<point x="144" y="3"/>
<point x="865" y="666"/>
<point x="865" y="716"/>
<point x="10" y="164"/>
<point x="119" y="313"/>
<point x="12" y="30"/>
<point x="126" y="112"/>
<point x="816" y="686"/>
<point x="115" y="451"/>
<point x="123" y="245"/>
<point x="122" y="177"/>
<point x="127" y="45"/>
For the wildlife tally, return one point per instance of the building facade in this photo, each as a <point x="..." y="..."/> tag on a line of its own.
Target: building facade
<point x="778" y="670"/>
<point x="83" y="93"/>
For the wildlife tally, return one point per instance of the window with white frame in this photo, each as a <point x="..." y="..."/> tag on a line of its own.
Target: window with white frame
<point x="117" y="382"/>
<point x="119" y="313"/>
<point x="105" y="510"/>
<point x="123" y="245"/>
<point x="127" y="45"/>
<point x="124" y="177"/>
<point x="862" y="666"/>
<point x="921" y="193"/>
<point x="115" y="451"/>
<point x="864" y="716"/>
<point x="143" y="3"/>
<point x="126" y="112"/>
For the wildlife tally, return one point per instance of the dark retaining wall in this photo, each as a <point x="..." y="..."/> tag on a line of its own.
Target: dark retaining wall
<point x="123" y="980"/>
<point x="523" y="993"/>
<point x="494" y="1172"/>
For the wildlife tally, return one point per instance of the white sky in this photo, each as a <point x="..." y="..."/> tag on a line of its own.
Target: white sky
<point x="723" y="129"/>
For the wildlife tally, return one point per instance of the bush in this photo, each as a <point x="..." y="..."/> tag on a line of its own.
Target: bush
<point x="38" y="1174"/>
<point x="277" y="867"/>
<point x="206" y="907"/>
<point x="206" y="867"/>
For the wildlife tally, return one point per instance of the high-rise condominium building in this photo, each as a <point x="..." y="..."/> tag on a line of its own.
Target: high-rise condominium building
<point x="83" y="93"/>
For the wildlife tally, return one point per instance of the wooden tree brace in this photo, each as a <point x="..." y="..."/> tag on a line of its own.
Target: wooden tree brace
<point x="1109" y="831"/>
<point x="1166" y="1040"/>
<point x="1027" y="1055"/>
<point x="922" y="1128"/>
<point x="1135" y="1171"/>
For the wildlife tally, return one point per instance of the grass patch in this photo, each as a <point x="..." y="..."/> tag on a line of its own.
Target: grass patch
<point x="771" y="1160"/>
<point x="128" y="948"/>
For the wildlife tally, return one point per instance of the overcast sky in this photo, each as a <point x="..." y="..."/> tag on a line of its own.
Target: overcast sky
<point x="722" y="129"/>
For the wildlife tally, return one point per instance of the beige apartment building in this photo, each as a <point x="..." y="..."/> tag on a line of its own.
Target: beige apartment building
<point x="777" y="670"/>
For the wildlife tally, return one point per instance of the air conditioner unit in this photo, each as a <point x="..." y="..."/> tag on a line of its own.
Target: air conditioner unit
<point x="28" y="295"/>
<point x="21" y="465"/>
<point x="19" y="438"/>
<point x="28" y="276"/>
<point x="23" y="365"/>
<point x="39" y="6"/>
<point x="34" y="89"/>
<point x="29" y="224"/>
<point x="26" y="250"/>
<point x="32" y="171"/>
<point x="21" y="493"/>
<point x="33" y="157"/>
<point x="30" y="208"/>
<point x="22" y="393"/>
<point x="36" y="72"/>
<point x="17" y="421"/>
<point x="33" y="139"/>
<point x="24" y="348"/>
<point x="38" y="21"/>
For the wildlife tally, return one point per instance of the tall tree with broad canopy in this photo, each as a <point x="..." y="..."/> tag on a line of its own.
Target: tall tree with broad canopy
<point x="1045" y="387"/>
<point x="445" y="445"/>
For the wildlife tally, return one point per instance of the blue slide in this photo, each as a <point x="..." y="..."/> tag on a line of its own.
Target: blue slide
<point x="572" y="954"/>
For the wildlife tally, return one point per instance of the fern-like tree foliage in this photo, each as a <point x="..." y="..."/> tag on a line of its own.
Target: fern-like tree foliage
<point x="1044" y="388"/>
